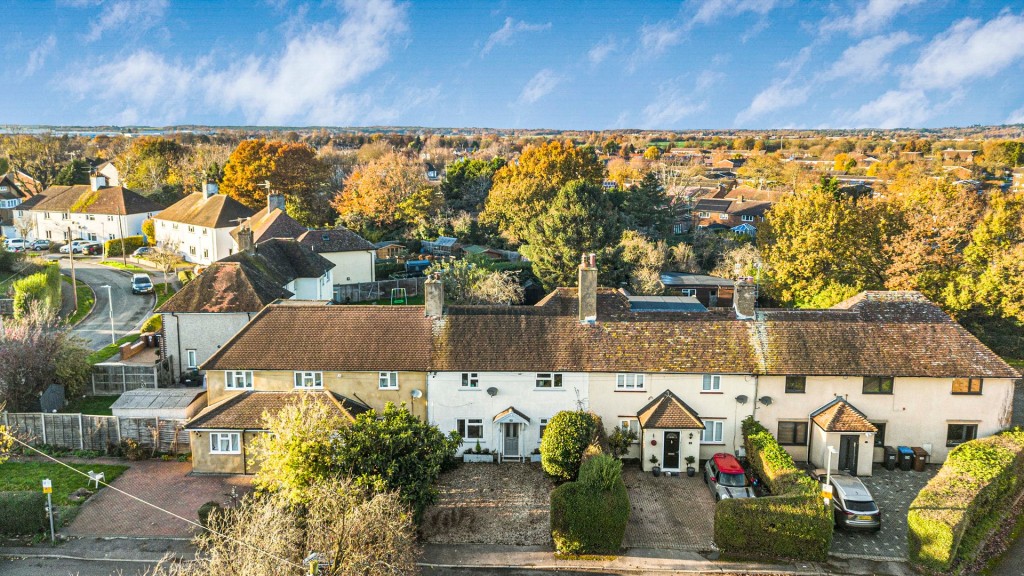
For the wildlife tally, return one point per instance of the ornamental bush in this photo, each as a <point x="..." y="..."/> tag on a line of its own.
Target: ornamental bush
<point x="565" y="439"/>
<point x="112" y="248"/>
<point x="589" y="516"/>
<point x="969" y="497"/>
<point x="793" y="523"/>
<point x="22" y="512"/>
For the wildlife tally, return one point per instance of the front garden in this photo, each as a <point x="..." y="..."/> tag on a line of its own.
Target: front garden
<point x="21" y="492"/>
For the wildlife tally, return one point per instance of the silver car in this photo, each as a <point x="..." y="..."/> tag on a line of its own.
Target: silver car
<point x="853" y="507"/>
<point x="726" y="478"/>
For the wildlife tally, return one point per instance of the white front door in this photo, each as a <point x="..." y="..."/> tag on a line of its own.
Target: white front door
<point x="511" y="434"/>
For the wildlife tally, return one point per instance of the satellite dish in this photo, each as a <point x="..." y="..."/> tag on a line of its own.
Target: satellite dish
<point x="492" y="391"/>
<point x="742" y="399"/>
<point x="766" y="400"/>
<point x="416" y="393"/>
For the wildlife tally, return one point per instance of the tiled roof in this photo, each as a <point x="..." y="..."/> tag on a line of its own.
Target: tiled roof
<point x="82" y="199"/>
<point x="282" y="260"/>
<point x="311" y="336"/>
<point x="217" y="211"/>
<point x="273" y="224"/>
<point x="875" y="333"/>
<point x="339" y="239"/>
<point x="840" y="416"/>
<point x="226" y="287"/>
<point x="245" y="410"/>
<point x="668" y="411"/>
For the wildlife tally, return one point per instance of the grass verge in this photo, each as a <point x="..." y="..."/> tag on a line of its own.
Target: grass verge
<point x="86" y="300"/>
<point x="163" y="293"/>
<point x="123" y="266"/>
<point x="94" y="405"/>
<point x="109" y="350"/>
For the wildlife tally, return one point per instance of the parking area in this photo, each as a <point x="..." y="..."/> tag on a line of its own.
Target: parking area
<point x="669" y="512"/>
<point x="499" y="504"/>
<point x="893" y="491"/>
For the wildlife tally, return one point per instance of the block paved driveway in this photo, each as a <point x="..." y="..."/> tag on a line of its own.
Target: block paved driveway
<point x="669" y="512"/>
<point x="894" y="491"/>
<point x="166" y="484"/>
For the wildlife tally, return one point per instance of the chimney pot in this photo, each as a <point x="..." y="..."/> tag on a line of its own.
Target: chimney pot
<point x="210" y="189"/>
<point x="745" y="298"/>
<point x="275" y="200"/>
<point x="587" y="290"/>
<point x="433" y="297"/>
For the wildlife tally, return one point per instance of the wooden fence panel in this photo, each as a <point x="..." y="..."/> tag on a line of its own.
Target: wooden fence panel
<point x="99" y="432"/>
<point x="88" y="432"/>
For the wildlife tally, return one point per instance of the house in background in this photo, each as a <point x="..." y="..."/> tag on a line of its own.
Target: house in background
<point x="270" y="222"/>
<point x="352" y="255"/>
<point x="389" y="250"/>
<point x="96" y="211"/>
<point x="288" y="264"/>
<point x="727" y="213"/>
<point x="710" y="291"/>
<point x="199" y="225"/>
<point x="15" y="188"/>
<point x="110" y="171"/>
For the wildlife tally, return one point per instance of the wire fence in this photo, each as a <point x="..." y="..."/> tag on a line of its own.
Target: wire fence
<point x="372" y="291"/>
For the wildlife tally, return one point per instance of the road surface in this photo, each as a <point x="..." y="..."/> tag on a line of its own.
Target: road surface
<point x="130" y="310"/>
<point x="63" y="567"/>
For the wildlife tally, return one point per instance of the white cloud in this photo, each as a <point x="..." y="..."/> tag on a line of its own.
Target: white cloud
<point x="869" y="18"/>
<point x="539" y="86"/>
<point x="669" y="108"/>
<point x="37" y="57"/>
<point x="145" y="86"/>
<point x="600" y="51"/>
<point x="894" y="109"/>
<point x="868" y="58"/>
<point x="126" y="16"/>
<point x="1016" y="117"/>
<point x="509" y="30"/>
<point x="656" y="38"/>
<point x="712" y="10"/>
<point x="967" y="51"/>
<point x="780" y="95"/>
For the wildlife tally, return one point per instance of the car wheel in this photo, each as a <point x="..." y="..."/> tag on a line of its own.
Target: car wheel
<point x="718" y="498"/>
<point x="705" y="476"/>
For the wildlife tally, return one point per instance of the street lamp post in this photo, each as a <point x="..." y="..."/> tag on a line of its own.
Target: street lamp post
<point x="110" y="308"/>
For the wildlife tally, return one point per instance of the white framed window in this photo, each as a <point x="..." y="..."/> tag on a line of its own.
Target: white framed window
<point x="110" y="218"/>
<point x="723" y="216"/>
<point x="704" y="214"/>
<point x="190" y="359"/>
<point x="204" y="231"/>
<point x="630" y="382"/>
<point x="548" y="380"/>
<point x="225" y="443"/>
<point x="712" y="383"/>
<point x="630" y="424"/>
<point x="90" y="216"/>
<point x="309" y="379"/>
<point x="191" y="228"/>
<point x="206" y="253"/>
<point x="387" y="381"/>
<point x="110" y="236"/>
<point x="470" y="380"/>
<point x="192" y="250"/>
<point x="691" y="292"/>
<point x="470" y="428"/>
<point x="46" y="215"/>
<point x="747" y="218"/>
<point x="543" y="427"/>
<point x="238" y="380"/>
<point x="712" y="433"/>
<point x="677" y="228"/>
<point x="64" y="215"/>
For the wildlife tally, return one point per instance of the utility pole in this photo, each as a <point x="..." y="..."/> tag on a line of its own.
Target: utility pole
<point x="74" y="283"/>
<point x="120" y="232"/>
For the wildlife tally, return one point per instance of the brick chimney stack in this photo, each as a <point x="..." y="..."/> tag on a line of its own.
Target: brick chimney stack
<point x="588" y="289"/>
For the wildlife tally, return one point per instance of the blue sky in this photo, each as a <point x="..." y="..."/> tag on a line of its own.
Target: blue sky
<point x="515" y="64"/>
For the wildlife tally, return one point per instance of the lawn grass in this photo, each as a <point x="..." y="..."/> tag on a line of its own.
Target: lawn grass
<point x="86" y="299"/>
<point x="16" y="476"/>
<point x="163" y="293"/>
<point x="411" y="301"/>
<point x="1015" y="362"/>
<point x="109" y="350"/>
<point x="123" y="266"/>
<point x="94" y="405"/>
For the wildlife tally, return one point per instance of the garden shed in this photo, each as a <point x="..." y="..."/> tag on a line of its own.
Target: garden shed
<point x="164" y="403"/>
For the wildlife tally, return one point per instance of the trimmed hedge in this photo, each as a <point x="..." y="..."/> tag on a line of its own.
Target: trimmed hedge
<point x="43" y="287"/>
<point x="185" y="276"/>
<point x="565" y="439"/>
<point x="22" y="512"/>
<point x="589" y="516"/>
<point x="793" y="523"/>
<point x="969" y="497"/>
<point x="131" y="243"/>
<point x="153" y="324"/>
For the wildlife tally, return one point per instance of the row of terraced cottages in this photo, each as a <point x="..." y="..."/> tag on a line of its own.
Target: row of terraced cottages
<point x="883" y="368"/>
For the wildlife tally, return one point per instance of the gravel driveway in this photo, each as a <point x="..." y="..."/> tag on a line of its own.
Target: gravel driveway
<point x="491" y="504"/>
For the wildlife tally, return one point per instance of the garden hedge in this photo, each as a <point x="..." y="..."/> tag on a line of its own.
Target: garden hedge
<point x="43" y="287"/>
<point x="22" y="512"/>
<point x="970" y="495"/>
<point x="153" y="324"/>
<point x="589" y="516"/>
<point x="792" y="523"/>
<point x="131" y="243"/>
<point x="566" y="437"/>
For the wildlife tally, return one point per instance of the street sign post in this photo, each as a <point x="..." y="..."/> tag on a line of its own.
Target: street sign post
<point x="826" y="493"/>
<point x="48" y="490"/>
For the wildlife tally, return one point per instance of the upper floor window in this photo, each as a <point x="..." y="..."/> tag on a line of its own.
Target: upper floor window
<point x="64" y="215"/>
<point x="191" y="228"/>
<point x="548" y="380"/>
<point x="796" y="384"/>
<point x="46" y="215"/>
<point x="309" y="379"/>
<point x="388" y="381"/>
<point x="470" y="380"/>
<point x="723" y="216"/>
<point x="110" y="218"/>
<point x="967" y="386"/>
<point x="704" y="214"/>
<point x="878" y="385"/>
<point x="238" y="380"/>
<point x="712" y="383"/>
<point x="747" y="218"/>
<point x="630" y="382"/>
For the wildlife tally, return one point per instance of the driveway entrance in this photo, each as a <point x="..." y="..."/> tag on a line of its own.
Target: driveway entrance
<point x="669" y="512"/>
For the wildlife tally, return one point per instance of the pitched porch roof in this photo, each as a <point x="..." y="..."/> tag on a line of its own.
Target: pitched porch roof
<point x="841" y="416"/>
<point x="511" y="416"/>
<point x="669" y="411"/>
<point x="244" y="411"/>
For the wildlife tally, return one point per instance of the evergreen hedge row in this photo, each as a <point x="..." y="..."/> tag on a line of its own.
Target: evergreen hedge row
<point x="112" y="248"/>
<point x="792" y="523"/>
<point x="589" y="516"/>
<point x="970" y="495"/>
<point x="43" y="287"/>
<point x="22" y="512"/>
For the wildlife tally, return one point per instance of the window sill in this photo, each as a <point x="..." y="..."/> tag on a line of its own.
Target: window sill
<point x="469" y="389"/>
<point x="966" y="394"/>
<point x="631" y="390"/>
<point x="226" y="453"/>
<point x="388" y="389"/>
<point x="549" y="389"/>
<point x="711" y="392"/>
<point x="712" y="443"/>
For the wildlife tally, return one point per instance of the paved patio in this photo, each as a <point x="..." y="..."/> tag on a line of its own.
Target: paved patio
<point x="893" y="491"/>
<point x="669" y="512"/>
<point x="165" y="484"/>
<point x="499" y="504"/>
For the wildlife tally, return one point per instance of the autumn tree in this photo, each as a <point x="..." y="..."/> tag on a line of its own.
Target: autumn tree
<point x="652" y="153"/>
<point x="467" y="182"/>
<point x="36" y="351"/>
<point x="146" y="164"/>
<point x="469" y="282"/>
<point x="643" y="261"/>
<point x="41" y="157"/>
<point x="384" y="193"/>
<point x="764" y="171"/>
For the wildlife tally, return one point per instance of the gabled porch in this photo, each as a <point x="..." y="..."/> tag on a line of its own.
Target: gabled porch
<point x="670" y="430"/>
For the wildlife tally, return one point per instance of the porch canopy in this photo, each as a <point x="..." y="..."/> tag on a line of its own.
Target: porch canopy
<point x="668" y="411"/>
<point x="511" y="416"/>
<point x="841" y="416"/>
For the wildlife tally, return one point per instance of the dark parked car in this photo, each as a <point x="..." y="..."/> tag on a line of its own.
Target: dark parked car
<point x="92" y="249"/>
<point x="853" y="507"/>
<point x="41" y="244"/>
<point x="141" y="284"/>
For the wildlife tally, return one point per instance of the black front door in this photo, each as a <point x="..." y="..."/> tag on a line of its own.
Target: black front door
<point x="848" y="454"/>
<point x="672" y="450"/>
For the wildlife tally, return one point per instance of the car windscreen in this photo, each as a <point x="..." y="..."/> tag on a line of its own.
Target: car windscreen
<point x="732" y="480"/>
<point x="861" y="506"/>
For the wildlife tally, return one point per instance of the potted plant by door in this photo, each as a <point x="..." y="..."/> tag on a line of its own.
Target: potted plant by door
<point x="690" y="470"/>
<point x="478" y="454"/>
<point x="535" y="456"/>
<point x="655" y="469"/>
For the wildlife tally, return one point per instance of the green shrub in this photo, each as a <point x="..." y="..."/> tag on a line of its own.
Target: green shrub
<point x="149" y="230"/>
<point x="22" y="512"/>
<point x="133" y="451"/>
<point x="42" y="287"/>
<point x="131" y="243"/>
<point x="620" y="440"/>
<point x="975" y="488"/>
<point x="794" y="523"/>
<point x="565" y="439"/>
<point x="185" y="276"/>
<point x="206" y="510"/>
<point x="589" y="516"/>
<point x="153" y="324"/>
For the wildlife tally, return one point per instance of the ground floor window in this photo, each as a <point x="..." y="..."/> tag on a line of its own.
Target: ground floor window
<point x="190" y="357"/>
<point x="225" y="443"/>
<point x="470" y="428"/>
<point x="543" y="426"/>
<point x="957" y="434"/>
<point x="631" y="424"/>
<point x="793" y="433"/>
<point x="712" y="433"/>
<point x="880" y="435"/>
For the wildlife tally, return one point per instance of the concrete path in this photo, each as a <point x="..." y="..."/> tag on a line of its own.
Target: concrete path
<point x="130" y="310"/>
